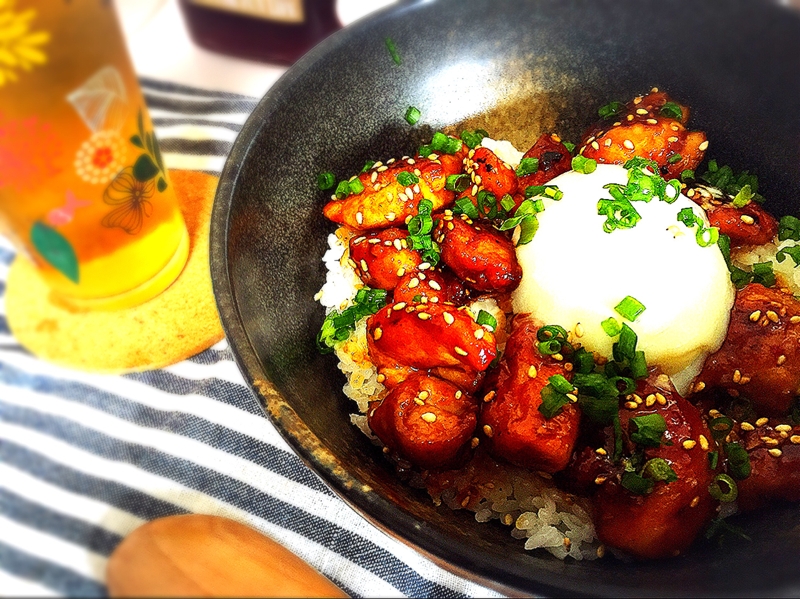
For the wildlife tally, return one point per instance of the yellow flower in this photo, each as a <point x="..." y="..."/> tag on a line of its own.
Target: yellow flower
<point x="20" y="48"/>
<point x="100" y="157"/>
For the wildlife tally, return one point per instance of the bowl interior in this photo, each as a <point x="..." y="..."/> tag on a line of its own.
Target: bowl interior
<point x="515" y="69"/>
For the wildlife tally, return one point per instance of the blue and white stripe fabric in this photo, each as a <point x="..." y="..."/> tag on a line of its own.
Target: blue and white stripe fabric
<point x="85" y="459"/>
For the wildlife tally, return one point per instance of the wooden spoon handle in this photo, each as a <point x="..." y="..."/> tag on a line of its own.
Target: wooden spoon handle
<point x="209" y="556"/>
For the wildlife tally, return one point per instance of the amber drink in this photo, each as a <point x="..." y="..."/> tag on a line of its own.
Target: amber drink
<point x="84" y="192"/>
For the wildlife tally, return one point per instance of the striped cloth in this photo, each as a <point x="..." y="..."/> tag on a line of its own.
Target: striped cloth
<point x="85" y="459"/>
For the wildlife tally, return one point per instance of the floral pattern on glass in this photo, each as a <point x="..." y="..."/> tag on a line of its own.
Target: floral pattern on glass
<point x="20" y="48"/>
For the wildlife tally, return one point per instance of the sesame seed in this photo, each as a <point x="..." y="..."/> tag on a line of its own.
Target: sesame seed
<point x="567" y="542"/>
<point x="377" y="333"/>
<point x="364" y="265"/>
<point x="713" y="413"/>
<point x="674" y="127"/>
<point x="418" y="401"/>
<point x="487" y="430"/>
<point x="390" y="161"/>
<point x="413" y="283"/>
<point x="699" y="386"/>
<point x="652" y="122"/>
<point x="641" y="111"/>
<point x="770" y="441"/>
<point x="417" y="172"/>
<point x="402" y="197"/>
<point x="555" y="138"/>
<point x="703" y="442"/>
<point x="386" y="450"/>
<point x="489" y="396"/>
<point x="617" y="124"/>
<point x="409" y="192"/>
<point x="762" y="421"/>
<point x="359" y="218"/>
<point x="703" y="146"/>
<point x="600" y="480"/>
<point x="532" y="372"/>
<point x="579" y="330"/>
<point x="399" y="306"/>
<point x="423" y="316"/>
<point x="631" y="405"/>
<point x="650" y="400"/>
<point x="794" y="319"/>
<point x="783" y="428"/>
<point x="628" y="144"/>
<point x="383" y="168"/>
<point x="595" y="145"/>
<point x="475" y="442"/>
<point x="558" y="357"/>
<point x="401" y="271"/>
<point x="479" y="333"/>
<point x="637" y="399"/>
<point x="737" y="376"/>
<point x="429" y="417"/>
<point x="630" y="117"/>
<point x="572" y="397"/>
<point x="374" y="176"/>
<point x="450" y="226"/>
<point x="416" y="188"/>
<point x="448" y="318"/>
<point x="689" y="444"/>
<point x="672" y="139"/>
<point x="607" y="142"/>
<point x="744" y="380"/>
<point x="754" y="316"/>
<point x="695" y="501"/>
<point x="424" y="265"/>
<point x="795" y="439"/>
<point x="601" y="551"/>
<point x="661" y="399"/>
<point x="600" y="451"/>
<point x="747" y="219"/>
<point x="474" y="190"/>
<point x="459" y="351"/>
<point x="435" y="285"/>
<point x="637" y="100"/>
<point x="775" y="453"/>
<point x="773" y="316"/>
<point x="746" y="426"/>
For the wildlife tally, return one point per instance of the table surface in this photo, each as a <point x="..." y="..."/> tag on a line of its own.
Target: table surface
<point x="85" y="459"/>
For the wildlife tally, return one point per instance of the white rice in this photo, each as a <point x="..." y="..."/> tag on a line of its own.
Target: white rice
<point x="541" y="514"/>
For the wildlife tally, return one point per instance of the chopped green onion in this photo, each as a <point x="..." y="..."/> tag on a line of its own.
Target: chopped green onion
<point x="610" y="110"/>
<point x="723" y="178"/>
<point x="368" y="165"/>
<point x="552" y="402"/>
<point x="789" y="228"/>
<point x="638" y="365"/>
<point x="527" y="230"/>
<point x="635" y="483"/>
<point x="406" y="178"/>
<point x="600" y="410"/>
<point x="560" y="384"/>
<point x="551" y="331"/>
<point x="743" y="198"/>
<point x="569" y="145"/>
<point x="763" y="273"/>
<point x="343" y="190"/>
<point x="393" y="50"/>
<point x="671" y="110"/>
<point x="629" y="308"/>
<point x="445" y="144"/>
<point x="419" y="233"/>
<point x="617" y="437"/>
<point x="793" y="251"/>
<point x="625" y="348"/>
<point x="356" y="186"/>
<point x="723" y="488"/>
<point x="549" y="191"/>
<point x="338" y="326"/>
<point x="426" y="150"/>
<point x="457" y="183"/>
<point x="738" y="461"/>
<point x="487" y="204"/>
<point x="486" y="319"/>
<point x="507" y="202"/>
<point x="465" y="206"/>
<point x="326" y="180"/>
<point x="713" y="460"/>
<point x="719" y="527"/>
<point x="687" y="175"/>
<point x="647" y="430"/>
<point x="674" y="158"/>
<point x="629" y="384"/>
<point x="527" y="166"/>
<point x="611" y="326"/>
<point x="688" y="217"/>
<point x="720" y="427"/>
<point x="412" y="115"/>
<point x="581" y="164"/>
<point x="583" y="361"/>
<point x="659" y="469"/>
<point x="473" y="140"/>
<point x="549" y="348"/>
<point x="707" y="236"/>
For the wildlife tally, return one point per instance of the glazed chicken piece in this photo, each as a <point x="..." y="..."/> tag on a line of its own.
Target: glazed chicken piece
<point x="430" y="286"/>
<point x="427" y="421"/>
<point x="748" y="225"/>
<point x="385" y="202"/>
<point x="554" y="159"/>
<point x="760" y="357"/>
<point x="404" y="337"/>
<point x="488" y="172"/>
<point x="774" y="450"/>
<point x="510" y="419"/>
<point x="646" y="127"/>
<point x="483" y="257"/>
<point x="665" y="521"/>
<point x="381" y="258"/>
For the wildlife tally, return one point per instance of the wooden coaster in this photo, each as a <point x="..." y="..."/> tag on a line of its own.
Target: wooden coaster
<point x="171" y="327"/>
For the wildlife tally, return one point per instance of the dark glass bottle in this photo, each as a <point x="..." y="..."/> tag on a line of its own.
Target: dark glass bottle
<point x="279" y="31"/>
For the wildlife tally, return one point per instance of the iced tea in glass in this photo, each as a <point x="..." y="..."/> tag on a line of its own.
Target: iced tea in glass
<point x="84" y="192"/>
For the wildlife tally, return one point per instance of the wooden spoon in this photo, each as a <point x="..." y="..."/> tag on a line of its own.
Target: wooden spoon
<point x="209" y="556"/>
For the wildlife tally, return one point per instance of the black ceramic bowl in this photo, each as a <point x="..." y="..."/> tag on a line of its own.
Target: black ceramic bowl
<point x="515" y="69"/>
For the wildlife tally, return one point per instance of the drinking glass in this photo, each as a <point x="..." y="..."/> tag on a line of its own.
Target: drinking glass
<point x="84" y="193"/>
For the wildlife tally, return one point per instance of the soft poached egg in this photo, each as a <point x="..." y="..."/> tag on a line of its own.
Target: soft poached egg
<point x="574" y="274"/>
